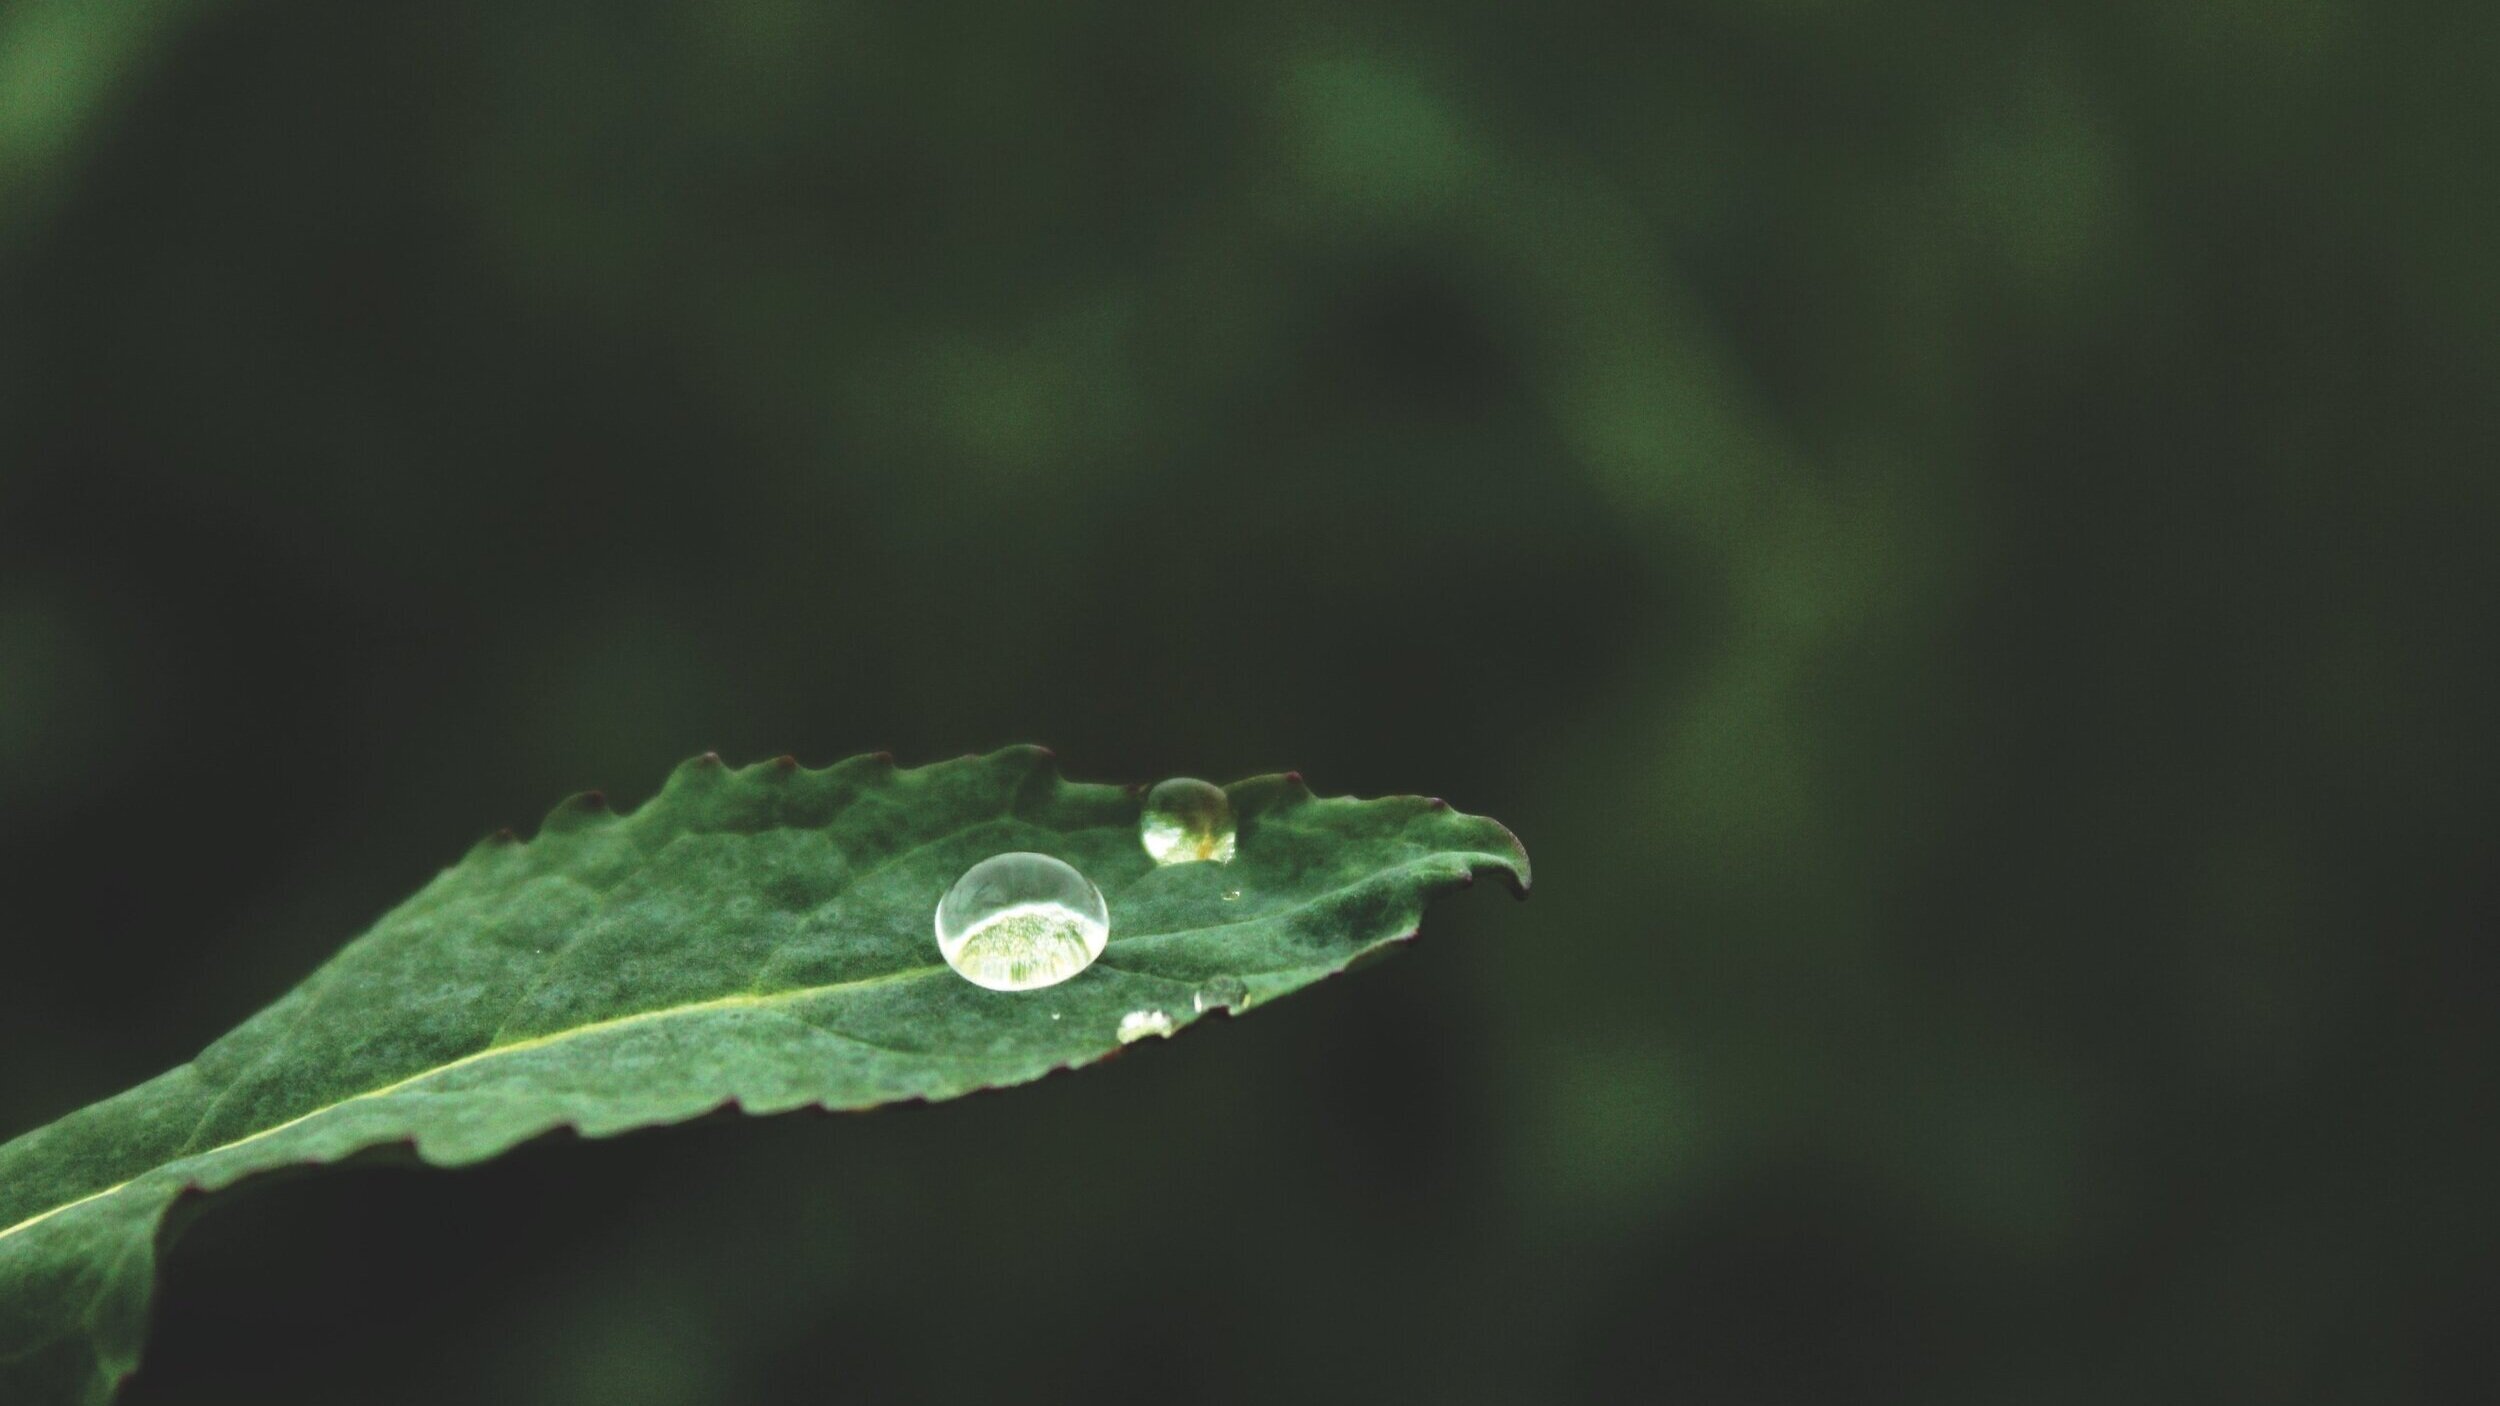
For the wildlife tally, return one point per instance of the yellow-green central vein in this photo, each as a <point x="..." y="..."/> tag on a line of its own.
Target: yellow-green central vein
<point x="742" y="1000"/>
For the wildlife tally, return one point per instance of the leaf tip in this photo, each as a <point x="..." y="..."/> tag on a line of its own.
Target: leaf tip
<point x="1518" y="873"/>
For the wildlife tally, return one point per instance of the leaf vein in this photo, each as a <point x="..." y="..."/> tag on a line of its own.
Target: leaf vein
<point x="741" y="1000"/>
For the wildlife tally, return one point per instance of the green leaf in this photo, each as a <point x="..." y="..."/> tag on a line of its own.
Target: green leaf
<point x="758" y="939"/>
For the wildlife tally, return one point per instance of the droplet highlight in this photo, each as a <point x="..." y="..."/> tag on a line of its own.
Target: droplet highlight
<point x="1221" y="993"/>
<point x="1187" y="821"/>
<point x="1021" y="921"/>
<point x="1137" y="1025"/>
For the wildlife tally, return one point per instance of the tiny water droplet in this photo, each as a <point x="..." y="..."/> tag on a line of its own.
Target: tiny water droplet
<point x="1054" y="1015"/>
<point x="1137" y="1025"/>
<point x="1225" y="993"/>
<point x="1187" y="820"/>
<point x="1021" y="921"/>
<point x="1229" y="895"/>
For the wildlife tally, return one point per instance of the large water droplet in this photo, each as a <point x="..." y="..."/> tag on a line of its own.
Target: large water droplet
<point x="1021" y="921"/>
<point x="1137" y="1025"/>
<point x="1185" y="821"/>
<point x="1225" y="993"/>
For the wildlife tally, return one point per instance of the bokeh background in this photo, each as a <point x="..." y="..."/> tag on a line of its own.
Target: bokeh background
<point x="1960" y="535"/>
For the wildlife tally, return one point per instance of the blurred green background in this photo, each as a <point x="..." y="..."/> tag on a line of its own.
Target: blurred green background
<point x="1960" y="535"/>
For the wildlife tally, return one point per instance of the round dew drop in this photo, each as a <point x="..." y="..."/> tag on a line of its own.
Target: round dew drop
<point x="1020" y="922"/>
<point x="1186" y="821"/>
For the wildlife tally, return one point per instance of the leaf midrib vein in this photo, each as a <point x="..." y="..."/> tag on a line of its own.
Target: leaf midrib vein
<point x="738" y="1001"/>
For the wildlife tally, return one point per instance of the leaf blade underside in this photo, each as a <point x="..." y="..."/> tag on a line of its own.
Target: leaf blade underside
<point x="756" y="938"/>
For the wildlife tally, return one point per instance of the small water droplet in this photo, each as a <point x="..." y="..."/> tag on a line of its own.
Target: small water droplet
<point x="1137" y="1025"/>
<point x="1021" y="921"/>
<point x="1225" y="993"/>
<point x="1054" y="1015"/>
<point x="1229" y="895"/>
<point x="1186" y="821"/>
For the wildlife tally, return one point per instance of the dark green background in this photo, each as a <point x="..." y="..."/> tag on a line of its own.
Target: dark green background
<point x="1961" y="536"/>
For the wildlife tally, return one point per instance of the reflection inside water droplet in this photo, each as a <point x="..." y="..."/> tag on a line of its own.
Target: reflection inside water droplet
<point x="1229" y="895"/>
<point x="1137" y="1025"/>
<point x="1225" y="993"/>
<point x="1021" y="921"/>
<point x="1186" y="821"/>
